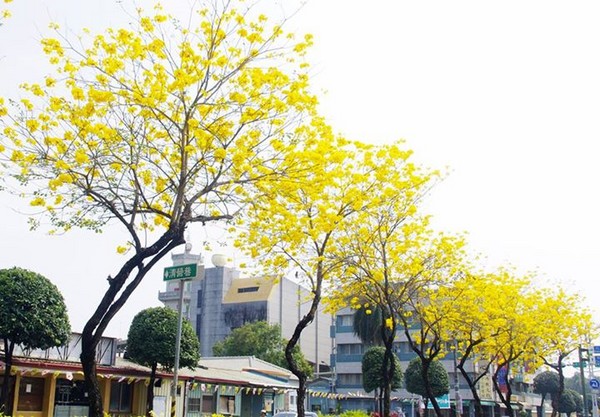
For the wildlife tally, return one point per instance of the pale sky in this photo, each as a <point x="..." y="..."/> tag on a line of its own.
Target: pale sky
<point x="503" y="95"/>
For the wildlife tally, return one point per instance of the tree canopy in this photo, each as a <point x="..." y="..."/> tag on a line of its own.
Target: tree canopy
<point x="437" y="376"/>
<point x="372" y="370"/>
<point x="546" y="383"/>
<point x="262" y="340"/>
<point x="570" y="402"/>
<point x="151" y="342"/>
<point x="32" y="314"/>
<point x="368" y="325"/>
<point x="151" y="339"/>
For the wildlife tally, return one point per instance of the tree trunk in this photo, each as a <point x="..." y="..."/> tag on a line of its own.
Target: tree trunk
<point x="504" y="398"/>
<point x="428" y="389"/>
<point x="113" y="300"/>
<point x="473" y="387"/>
<point x="88" y="362"/>
<point x="301" y="395"/>
<point x="388" y="373"/>
<point x="386" y="401"/>
<point x="6" y="395"/>
<point x="150" y="392"/>
<point x="472" y="382"/>
<point x="302" y="324"/>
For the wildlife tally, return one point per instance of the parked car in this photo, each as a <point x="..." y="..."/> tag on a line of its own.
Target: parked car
<point x="294" y="414"/>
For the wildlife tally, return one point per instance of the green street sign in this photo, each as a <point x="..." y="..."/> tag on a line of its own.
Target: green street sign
<point x="187" y="271"/>
<point x="578" y="364"/>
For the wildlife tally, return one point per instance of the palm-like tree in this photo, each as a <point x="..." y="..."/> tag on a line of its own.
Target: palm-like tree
<point x="367" y="326"/>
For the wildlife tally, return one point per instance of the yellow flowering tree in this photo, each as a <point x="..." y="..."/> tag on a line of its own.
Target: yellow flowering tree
<point x="399" y="270"/>
<point x="428" y="302"/>
<point x="388" y="252"/>
<point x="567" y="327"/>
<point x="512" y="349"/>
<point x="153" y="127"/>
<point x="299" y="227"/>
<point x="478" y="316"/>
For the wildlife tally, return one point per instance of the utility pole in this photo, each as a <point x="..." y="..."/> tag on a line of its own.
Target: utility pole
<point x="581" y="350"/>
<point x="592" y="364"/>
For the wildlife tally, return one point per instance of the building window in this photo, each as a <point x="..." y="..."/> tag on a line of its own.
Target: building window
<point x="402" y="347"/>
<point x="227" y="404"/>
<point x="195" y="405"/>
<point x="345" y="320"/>
<point x="31" y="394"/>
<point x="350" y="379"/>
<point x="247" y="289"/>
<point x="198" y="324"/>
<point x="199" y="301"/>
<point x="350" y="349"/>
<point x="120" y="397"/>
<point x="208" y="404"/>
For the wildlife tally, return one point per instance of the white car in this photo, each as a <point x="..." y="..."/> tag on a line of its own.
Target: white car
<point x="294" y="414"/>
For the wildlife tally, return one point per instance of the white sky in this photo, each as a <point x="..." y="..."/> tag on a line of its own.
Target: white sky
<point x="506" y="95"/>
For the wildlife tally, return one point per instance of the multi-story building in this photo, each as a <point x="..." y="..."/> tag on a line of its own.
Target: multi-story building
<point x="219" y="300"/>
<point x="346" y="363"/>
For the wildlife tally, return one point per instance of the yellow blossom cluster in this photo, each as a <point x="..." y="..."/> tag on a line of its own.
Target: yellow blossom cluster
<point x="5" y="13"/>
<point x="154" y="123"/>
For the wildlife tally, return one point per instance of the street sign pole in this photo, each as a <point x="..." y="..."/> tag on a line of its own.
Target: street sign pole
<point x="177" y="349"/>
<point x="181" y="273"/>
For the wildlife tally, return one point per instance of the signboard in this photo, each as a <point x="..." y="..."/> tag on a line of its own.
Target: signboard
<point x="503" y="379"/>
<point x="597" y="361"/>
<point x="594" y="383"/>
<point x="443" y="402"/>
<point x="187" y="271"/>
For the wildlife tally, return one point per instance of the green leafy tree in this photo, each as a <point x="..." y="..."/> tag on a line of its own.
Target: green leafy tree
<point x="262" y="340"/>
<point x="373" y="371"/>
<point x="437" y="376"/>
<point x="367" y="325"/>
<point x="32" y="314"/>
<point x="546" y="383"/>
<point x="151" y="342"/>
<point x="569" y="402"/>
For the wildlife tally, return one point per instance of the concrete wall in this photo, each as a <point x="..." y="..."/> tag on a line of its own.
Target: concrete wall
<point x="289" y="302"/>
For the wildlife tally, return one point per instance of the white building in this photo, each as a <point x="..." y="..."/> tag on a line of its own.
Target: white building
<point x="220" y="301"/>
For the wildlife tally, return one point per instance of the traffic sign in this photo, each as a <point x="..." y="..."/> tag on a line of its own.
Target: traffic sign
<point x="597" y="361"/>
<point x="443" y="402"/>
<point x="594" y="383"/>
<point x="596" y="350"/>
<point x="179" y="272"/>
<point x="580" y="364"/>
